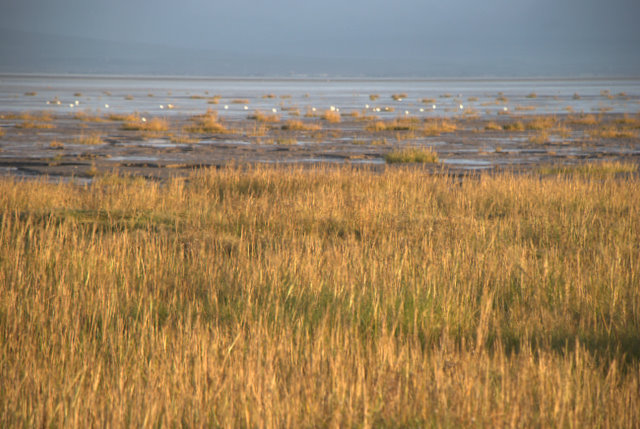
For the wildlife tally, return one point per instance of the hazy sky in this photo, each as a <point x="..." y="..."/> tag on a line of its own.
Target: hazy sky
<point x="600" y="29"/>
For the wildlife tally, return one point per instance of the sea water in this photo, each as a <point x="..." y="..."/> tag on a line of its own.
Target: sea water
<point x="237" y="98"/>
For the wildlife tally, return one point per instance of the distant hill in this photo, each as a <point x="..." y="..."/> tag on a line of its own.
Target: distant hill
<point x="26" y="52"/>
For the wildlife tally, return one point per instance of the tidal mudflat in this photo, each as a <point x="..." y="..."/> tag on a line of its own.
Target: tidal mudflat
<point x="88" y="144"/>
<point x="83" y="126"/>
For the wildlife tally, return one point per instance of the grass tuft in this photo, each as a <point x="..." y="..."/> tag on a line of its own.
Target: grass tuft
<point x="513" y="126"/>
<point x="539" y="123"/>
<point x="492" y="126"/>
<point x="435" y="127"/>
<point x="35" y="125"/>
<point x="127" y="117"/>
<point x="582" y="120"/>
<point x="412" y="155"/>
<point x="183" y="138"/>
<point x="296" y="125"/>
<point x="399" y="97"/>
<point x="56" y="145"/>
<point x="540" y="137"/>
<point x="153" y="126"/>
<point x="331" y="116"/>
<point x="264" y="117"/>
<point x="206" y="123"/>
<point x="88" y="139"/>
<point x="612" y="132"/>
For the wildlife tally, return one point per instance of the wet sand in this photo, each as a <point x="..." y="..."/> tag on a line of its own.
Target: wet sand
<point x="56" y="145"/>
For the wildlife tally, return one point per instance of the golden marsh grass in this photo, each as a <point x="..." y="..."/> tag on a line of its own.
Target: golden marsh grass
<point x="88" y="139"/>
<point x="331" y="116"/>
<point x="412" y="155"/>
<point x="151" y="126"/>
<point x="183" y="138"/>
<point x="35" y="125"/>
<point x="435" y="127"/>
<point x="87" y="117"/>
<point x="492" y="126"/>
<point x="612" y="132"/>
<point x="206" y="123"/>
<point x="296" y="125"/>
<point x="55" y="144"/>
<point x="592" y="170"/>
<point x="261" y="297"/>
<point x="264" y="117"/>
<point x="397" y="124"/>
<point x="128" y="117"/>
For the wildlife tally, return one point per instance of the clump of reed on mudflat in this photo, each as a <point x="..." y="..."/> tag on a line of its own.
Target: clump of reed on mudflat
<point x="206" y="123"/>
<point x="35" y="125"/>
<point x="520" y="108"/>
<point x="514" y="126"/>
<point x="627" y="120"/>
<point x="151" y="126"/>
<point x="427" y="127"/>
<point x="250" y="296"/>
<point x="539" y="123"/>
<point x="625" y="127"/>
<point x="311" y="112"/>
<point x="297" y="125"/>
<point x="397" y="124"/>
<point x="541" y="137"/>
<point x="88" y="117"/>
<point x="183" y="138"/>
<point x="492" y="126"/>
<point x="33" y="120"/>
<point x="362" y="116"/>
<point x="613" y="133"/>
<point x="331" y="116"/>
<point x="124" y="117"/>
<point x="437" y="126"/>
<point x="412" y="155"/>
<point x="88" y="139"/>
<point x="55" y="144"/>
<point x="264" y="117"/>
<point x="41" y="116"/>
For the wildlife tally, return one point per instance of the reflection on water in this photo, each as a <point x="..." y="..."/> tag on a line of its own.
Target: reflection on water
<point x="468" y="163"/>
